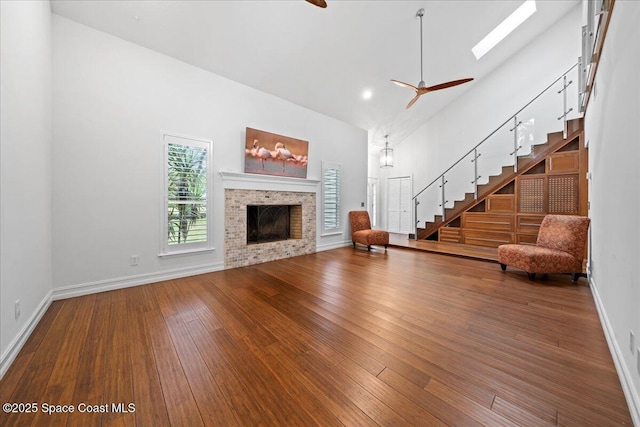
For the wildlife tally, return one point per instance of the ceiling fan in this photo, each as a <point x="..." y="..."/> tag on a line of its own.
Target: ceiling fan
<point x="422" y="88"/>
<point x="319" y="3"/>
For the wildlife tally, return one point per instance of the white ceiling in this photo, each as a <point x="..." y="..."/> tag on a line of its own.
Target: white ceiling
<point x="323" y="59"/>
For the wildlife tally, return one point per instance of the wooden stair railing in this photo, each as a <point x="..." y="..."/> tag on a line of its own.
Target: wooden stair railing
<point x="555" y="142"/>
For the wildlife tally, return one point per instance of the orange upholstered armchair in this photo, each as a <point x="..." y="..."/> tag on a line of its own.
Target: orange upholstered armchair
<point x="362" y="233"/>
<point x="559" y="249"/>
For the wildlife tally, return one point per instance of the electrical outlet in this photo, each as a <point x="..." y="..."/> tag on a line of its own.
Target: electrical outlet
<point x="135" y="259"/>
<point x="17" y="309"/>
<point x="632" y="341"/>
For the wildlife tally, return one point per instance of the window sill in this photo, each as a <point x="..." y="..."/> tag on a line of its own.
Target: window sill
<point x="186" y="252"/>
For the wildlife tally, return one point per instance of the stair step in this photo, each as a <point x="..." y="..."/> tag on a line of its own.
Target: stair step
<point x="490" y="186"/>
<point x="460" y="205"/>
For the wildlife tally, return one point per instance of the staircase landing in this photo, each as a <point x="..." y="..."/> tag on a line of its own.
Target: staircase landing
<point x="457" y="249"/>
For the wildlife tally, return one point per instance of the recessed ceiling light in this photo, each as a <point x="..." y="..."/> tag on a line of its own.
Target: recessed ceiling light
<point x="367" y="94"/>
<point x="504" y="28"/>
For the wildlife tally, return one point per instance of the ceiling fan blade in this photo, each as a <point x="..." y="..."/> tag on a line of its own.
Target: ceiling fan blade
<point x="446" y="85"/>
<point x="319" y="3"/>
<point x="403" y="84"/>
<point x="413" y="101"/>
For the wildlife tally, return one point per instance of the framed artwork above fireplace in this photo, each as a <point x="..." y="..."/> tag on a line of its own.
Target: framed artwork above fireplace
<point x="268" y="153"/>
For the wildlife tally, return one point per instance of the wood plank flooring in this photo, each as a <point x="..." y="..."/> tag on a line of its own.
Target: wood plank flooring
<point x="337" y="338"/>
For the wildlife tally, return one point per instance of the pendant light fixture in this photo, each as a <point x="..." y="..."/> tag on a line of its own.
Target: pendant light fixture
<point x="386" y="154"/>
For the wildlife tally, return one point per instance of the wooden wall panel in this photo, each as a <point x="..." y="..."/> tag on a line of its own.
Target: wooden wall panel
<point x="488" y="221"/>
<point x="501" y="203"/>
<point x="450" y="234"/>
<point x="566" y="161"/>
<point x="485" y="238"/>
<point x="528" y="224"/>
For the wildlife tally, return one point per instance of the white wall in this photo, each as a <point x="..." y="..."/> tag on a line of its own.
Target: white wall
<point x="112" y="100"/>
<point x="612" y="127"/>
<point x="25" y="153"/>
<point x="461" y="125"/>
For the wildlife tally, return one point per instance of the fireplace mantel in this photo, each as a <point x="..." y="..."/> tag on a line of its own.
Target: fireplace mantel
<point x="250" y="181"/>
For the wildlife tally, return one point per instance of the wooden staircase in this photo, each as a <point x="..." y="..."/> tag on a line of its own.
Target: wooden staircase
<point x="538" y="162"/>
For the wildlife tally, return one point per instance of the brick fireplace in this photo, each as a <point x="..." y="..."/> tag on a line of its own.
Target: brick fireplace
<point x="238" y="252"/>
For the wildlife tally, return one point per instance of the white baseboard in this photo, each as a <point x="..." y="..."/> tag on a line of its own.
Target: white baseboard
<point x="129" y="281"/>
<point x="17" y="343"/>
<point x="630" y="393"/>
<point x="329" y="246"/>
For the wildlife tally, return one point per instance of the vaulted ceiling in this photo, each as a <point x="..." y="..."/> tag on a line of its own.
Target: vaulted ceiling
<point x="323" y="59"/>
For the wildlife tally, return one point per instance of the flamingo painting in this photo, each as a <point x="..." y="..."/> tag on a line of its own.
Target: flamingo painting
<point x="271" y="154"/>
<point x="260" y="152"/>
<point x="282" y="153"/>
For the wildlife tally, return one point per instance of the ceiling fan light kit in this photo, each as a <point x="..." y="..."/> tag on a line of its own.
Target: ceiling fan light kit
<point x="422" y="88"/>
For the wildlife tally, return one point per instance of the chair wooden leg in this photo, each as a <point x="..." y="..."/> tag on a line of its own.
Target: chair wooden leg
<point x="574" y="277"/>
<point x="385" y="248"/>
<point x="503" y="267"/>
<point x="354" y="244"/>
<point x="532" y="276"/>
<point x="369" y="247"/>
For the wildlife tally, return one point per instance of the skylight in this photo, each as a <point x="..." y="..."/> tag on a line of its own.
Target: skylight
<point x="504" y="28"/>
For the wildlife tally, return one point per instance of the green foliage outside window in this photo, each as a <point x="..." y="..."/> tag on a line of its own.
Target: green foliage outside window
<point x="187" y="207"/>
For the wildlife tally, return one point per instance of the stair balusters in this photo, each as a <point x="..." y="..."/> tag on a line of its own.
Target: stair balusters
<point x="566" y="112"/>
<point x="516" y="146"/>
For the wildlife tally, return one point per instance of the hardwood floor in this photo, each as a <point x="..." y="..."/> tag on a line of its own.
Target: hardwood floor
<point x="343" y="337"/>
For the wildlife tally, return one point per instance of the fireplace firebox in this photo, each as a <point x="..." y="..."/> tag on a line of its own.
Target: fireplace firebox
<point x="270" y="223"/>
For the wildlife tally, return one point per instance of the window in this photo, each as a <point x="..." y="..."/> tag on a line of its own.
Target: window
<point x="186" y="223"/>
<point x="331" y="198"/>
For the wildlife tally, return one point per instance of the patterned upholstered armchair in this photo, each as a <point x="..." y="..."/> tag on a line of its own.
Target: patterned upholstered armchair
<point x="362" y="233"/>
<point x="559" y="249"/>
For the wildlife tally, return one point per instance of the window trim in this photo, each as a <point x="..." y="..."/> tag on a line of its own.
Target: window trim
<point x="338" y="229"/>
<point x="372" y="200"/>
<point x="167" y="250"/>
